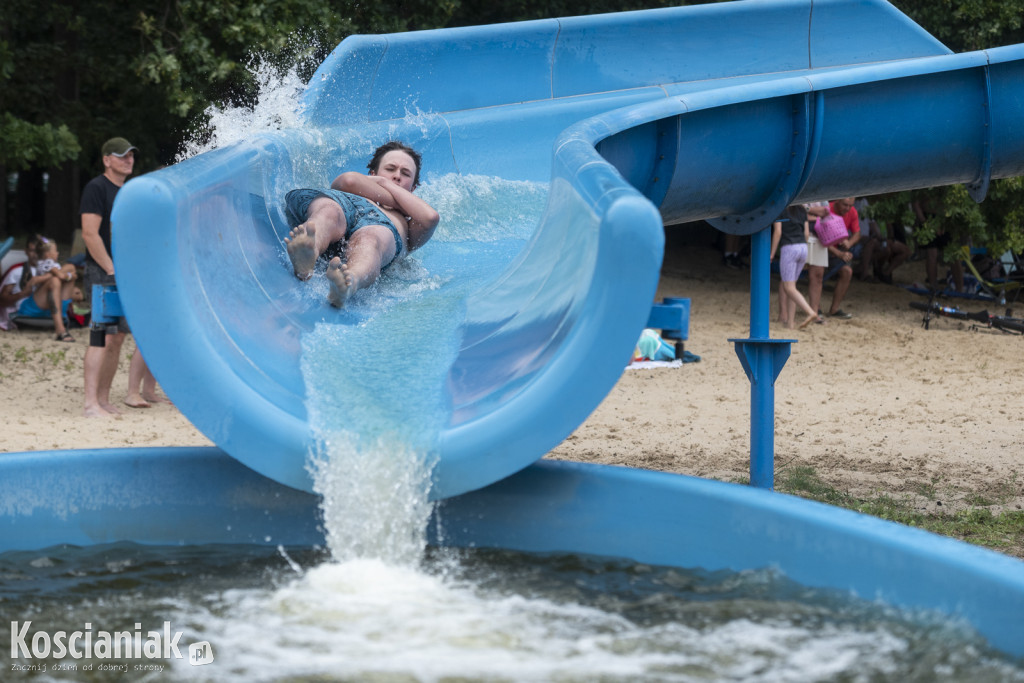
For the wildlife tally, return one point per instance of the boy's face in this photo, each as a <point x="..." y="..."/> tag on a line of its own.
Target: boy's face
<point x="399" y="168"/>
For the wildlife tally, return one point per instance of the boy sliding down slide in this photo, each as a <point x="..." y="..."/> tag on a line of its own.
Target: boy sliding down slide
<point x="370" y="220"/>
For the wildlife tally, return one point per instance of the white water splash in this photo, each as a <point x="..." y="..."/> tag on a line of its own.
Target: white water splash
<point x="375" y="499"/>
<point x="276" y="108"/>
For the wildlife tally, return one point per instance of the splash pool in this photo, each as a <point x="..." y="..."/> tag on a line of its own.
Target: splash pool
<point x="281" y="614"/>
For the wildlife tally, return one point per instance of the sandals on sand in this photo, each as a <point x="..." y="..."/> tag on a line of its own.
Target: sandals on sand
<point x="66" y="337"/>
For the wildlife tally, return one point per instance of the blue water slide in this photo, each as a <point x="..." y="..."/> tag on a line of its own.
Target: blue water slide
<point x="724" y="112"/>
<point x="729" y="113"/>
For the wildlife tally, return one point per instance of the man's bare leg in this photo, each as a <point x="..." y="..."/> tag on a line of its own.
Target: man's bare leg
<point x="100" y="368"/>
<point x="93" y="365"/>
<point x="867" y="258"/>
<point x="815" y="279"/>
<point x="369" y="248"/>
<point x="149" y="383"/>
<point x="842" y="284"/>
<point x="899" y="252"/>
<point x="325" y="224"/>
<point x="136" y="373"/>
<point x="111" y="358"/>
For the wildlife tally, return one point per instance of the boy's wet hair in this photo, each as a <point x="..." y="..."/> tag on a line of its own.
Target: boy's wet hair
<point x="393" y="146"/>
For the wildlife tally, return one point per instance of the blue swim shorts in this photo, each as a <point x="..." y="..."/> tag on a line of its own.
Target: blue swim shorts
<point x="94" y="275"/>
<point x="28" y="309"/>
<point x="359" y="213"/>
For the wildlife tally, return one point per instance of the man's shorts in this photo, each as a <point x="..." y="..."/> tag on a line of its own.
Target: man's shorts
<point x="817" y="253"/>
<point x="94" y="275"/>
<point x="359" y="213"/>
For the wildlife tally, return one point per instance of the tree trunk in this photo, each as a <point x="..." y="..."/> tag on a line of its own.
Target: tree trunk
<point x="5" y="230"/>
<point x="28" y="202"/>
<point x="62" y="196"/>
<point x="62" y="203"/>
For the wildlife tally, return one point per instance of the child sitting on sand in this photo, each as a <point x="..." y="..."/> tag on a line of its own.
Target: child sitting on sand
<point x="48" y="286"/>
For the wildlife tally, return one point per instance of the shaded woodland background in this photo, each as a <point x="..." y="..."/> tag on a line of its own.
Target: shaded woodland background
<point x="73" y="74"/>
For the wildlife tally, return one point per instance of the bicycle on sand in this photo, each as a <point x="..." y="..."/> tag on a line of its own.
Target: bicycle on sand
<point x="1005" y="323"/>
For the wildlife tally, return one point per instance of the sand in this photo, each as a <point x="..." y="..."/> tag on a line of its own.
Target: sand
<point x="875" y="404"/>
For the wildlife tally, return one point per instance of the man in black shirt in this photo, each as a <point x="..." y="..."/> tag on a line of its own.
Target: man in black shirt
<point x="104" y="352"/>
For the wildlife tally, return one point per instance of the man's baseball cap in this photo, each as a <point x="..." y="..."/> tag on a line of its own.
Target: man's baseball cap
<point x="118" y="147"/>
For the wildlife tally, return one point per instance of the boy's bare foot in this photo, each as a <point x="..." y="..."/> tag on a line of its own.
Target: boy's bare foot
<point x="135" y="401"/>
<point x="342" y="283"/>
<point x="154" y="398"/>
<point x="301" y="246"/>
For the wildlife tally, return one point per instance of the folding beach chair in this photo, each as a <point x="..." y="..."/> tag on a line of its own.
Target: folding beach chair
<point x="1004" y="288"/>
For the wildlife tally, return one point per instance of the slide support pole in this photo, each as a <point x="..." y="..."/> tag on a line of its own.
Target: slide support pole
<point x="762" y="359"/>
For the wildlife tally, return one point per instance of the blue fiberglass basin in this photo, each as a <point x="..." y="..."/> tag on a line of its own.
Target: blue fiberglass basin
<point x="195" y="496"/>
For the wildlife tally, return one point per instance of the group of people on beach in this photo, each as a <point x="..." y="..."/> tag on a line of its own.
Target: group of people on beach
<point x="41" y="287"/>
<point x="828" y="235"/>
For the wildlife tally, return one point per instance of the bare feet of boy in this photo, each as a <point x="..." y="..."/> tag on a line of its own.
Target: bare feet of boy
<point x="301" y="246"/>
<point x="342" y="283"/>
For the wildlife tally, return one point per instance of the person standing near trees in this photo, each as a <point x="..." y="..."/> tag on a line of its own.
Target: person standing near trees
<point x="105" y="341"/>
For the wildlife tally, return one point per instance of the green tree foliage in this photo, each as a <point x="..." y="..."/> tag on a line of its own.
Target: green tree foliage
<point x="967" y="25"/>
<point x="24" y="144"/>
<point x="74" y="73"/>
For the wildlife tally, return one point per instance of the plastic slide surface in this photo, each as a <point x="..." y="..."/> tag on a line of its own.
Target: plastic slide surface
<point x="726" y="112"/>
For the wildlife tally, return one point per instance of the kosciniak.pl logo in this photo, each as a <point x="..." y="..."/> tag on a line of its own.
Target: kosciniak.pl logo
<point x="100" y="644"/>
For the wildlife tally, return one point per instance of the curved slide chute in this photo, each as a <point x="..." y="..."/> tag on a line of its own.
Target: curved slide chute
<point x="728" y="112"/>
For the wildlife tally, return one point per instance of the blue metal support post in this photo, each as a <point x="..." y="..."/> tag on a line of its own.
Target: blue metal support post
<point x="762" y="359"/>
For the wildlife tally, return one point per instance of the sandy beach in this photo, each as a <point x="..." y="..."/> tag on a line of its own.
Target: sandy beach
<point x="875" y="404"/>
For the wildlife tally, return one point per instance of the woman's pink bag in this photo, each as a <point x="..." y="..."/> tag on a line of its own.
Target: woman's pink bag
<point x="830" y="229"/>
